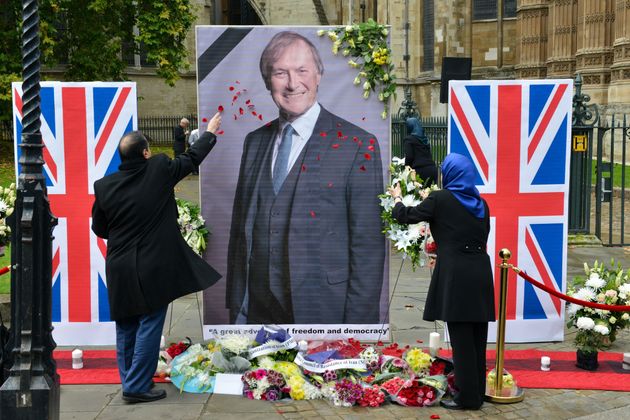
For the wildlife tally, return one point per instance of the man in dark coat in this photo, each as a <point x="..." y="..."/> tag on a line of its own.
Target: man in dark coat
<point x="305" y="241"/>
<point x="148" y="264"/>
<point x="179" y="136"/>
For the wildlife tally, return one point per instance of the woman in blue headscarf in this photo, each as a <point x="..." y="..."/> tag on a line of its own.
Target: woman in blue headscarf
<point x="418" y="152"/>
<point x="461" y="290"/>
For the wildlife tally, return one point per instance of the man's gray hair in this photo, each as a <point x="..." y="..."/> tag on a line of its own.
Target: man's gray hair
<point x="274" y="48"/>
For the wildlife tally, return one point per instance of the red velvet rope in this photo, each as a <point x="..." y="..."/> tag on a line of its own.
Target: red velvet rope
<point x="615" y="308"/>
<point x="5" y="270"/>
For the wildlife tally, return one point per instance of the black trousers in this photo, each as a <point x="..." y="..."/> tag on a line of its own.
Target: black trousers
<point x="468" y="340"/>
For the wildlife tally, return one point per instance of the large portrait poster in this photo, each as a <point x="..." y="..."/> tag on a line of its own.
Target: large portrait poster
<point x="291" y="189"/>
<point x="517" y="133"/>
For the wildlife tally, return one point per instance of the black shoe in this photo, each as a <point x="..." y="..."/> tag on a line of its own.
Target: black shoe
<point x="140" y="397"/>
<point x="451" y="405"/>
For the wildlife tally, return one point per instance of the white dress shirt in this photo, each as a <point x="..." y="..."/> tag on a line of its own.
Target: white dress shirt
<point x="303" y="128"/>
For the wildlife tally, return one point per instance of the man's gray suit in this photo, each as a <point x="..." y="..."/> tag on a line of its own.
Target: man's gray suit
<point x="333" y="249"/>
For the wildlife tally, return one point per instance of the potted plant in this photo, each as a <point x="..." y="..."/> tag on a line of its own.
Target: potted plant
<point x="597" y="328"/>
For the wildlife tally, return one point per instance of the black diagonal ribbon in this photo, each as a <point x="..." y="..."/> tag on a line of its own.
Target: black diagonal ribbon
<point x="219" y="49"/>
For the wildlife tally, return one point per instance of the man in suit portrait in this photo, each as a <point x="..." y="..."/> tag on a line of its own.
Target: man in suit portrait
<point x="305" y="241"/>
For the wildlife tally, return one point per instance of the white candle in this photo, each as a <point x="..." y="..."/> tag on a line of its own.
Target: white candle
<point x="434" y="343"/>
<point x="545" y="363"/>
<point x="77" y="359"/>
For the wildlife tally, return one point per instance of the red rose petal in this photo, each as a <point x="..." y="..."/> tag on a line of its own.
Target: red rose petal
<point x="372" y="141"/>
<point x="339" y="134"/>
<point x="241" y="111"/>
<point x="266" y="125"/>
<point x="312" y="213"/>
<point x="367" y="156"/>
<point x="335" y="146"/>
<point x="254" y="113"/>
<point x="303" y="168"/>
<point x="231" y="88"/>
<point x="250" y="106"/>
<point x="317" y="157"/>
<point x="435" y="416"/>
<point x="419" y="341"/>
<point x="355" y="139"/>
<point x="237" y="82"/>
<point x="220" y="108"/>
<point x="323" y="134"/>
<point x="344" y="138"/>
<point x="362" y="168"/>
<point x="234" y="98"/>
<point x="220" y="132"/>
<point x="235" y="117"/>
<point x="360" y="143"/>
<point x="379" y="343"/>
<point x="371" y="148"/>
<point x="260" y="117"/>
<point x="204" y="120"/>
<point x="249" y="101"/>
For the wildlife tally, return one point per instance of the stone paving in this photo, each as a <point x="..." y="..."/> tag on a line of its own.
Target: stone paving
<point x="104" y="402"/>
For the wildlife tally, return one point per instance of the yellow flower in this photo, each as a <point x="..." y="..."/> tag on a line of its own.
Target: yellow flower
<point x="366" y="94"/>
<point x="357" y="80"/>
<point x="385" y="77"/>
<point x="349" y="28"/>
<point x="297" y="389"/>
<point x="381" y="97"/>
<point x="417" y="359"/>
<point x="366" y="85"/>
<point x="351" y="43"/>
<point x="384" y="31"/>
<point x="384" y="114"/>
<point x="345" y="52"/>
<point x="332" y="35"/>
<point x="321" y="32"/>
<point x="352" y="63"/>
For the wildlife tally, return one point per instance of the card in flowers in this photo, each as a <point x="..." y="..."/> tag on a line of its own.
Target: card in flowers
<point x="408" y="239"/>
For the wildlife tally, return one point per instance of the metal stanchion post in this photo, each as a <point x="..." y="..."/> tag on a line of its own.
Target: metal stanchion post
<point x="496" y="394"/>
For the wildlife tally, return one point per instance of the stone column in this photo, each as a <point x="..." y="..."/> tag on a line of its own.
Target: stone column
<point x="531" y="24"/>
<point x="594" y="54"/>
<point x="562" y="38"/>
<point x="619" y="89"/>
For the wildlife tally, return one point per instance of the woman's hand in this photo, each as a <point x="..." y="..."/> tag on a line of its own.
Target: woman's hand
<point x="395" y="191"/>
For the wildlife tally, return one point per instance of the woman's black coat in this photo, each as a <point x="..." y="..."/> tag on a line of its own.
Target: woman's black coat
<point x="461" y="288"/>
<point x="418" y="156"/>
<point x="148" y="264"/>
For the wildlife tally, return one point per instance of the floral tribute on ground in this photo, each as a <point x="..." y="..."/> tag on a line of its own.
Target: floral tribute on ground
<point x="7" y="202"/>
<point x="414" y="241"/>
<point x="598" y="328"/>
<point x="347" y="373"/>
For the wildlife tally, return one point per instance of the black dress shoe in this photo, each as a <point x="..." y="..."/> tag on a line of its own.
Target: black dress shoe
<point x="451" y="405"/>
<point x="140" y="397"/>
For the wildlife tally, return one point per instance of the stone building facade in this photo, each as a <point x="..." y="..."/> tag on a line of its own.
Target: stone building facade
<point x="528" y="39"/>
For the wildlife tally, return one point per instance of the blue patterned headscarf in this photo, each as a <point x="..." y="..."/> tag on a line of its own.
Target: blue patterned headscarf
<point x="458" y="176"/>
<point x="414" y="128"/>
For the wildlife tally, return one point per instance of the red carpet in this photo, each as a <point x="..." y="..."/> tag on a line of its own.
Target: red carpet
<point x="99" y="367"/>
<point x="524" y="365"/>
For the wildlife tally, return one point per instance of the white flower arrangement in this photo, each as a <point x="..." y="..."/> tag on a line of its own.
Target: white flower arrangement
<point x="408" y="239"/>
<point x="192" y="226"/>
<point x="597" y="328"/>
<point x="7" y="202"/>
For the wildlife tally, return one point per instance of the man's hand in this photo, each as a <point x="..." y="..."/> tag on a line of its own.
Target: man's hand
<point x="214" y="123"/>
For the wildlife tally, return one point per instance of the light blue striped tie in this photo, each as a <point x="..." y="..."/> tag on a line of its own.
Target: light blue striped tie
<point x="280" y="169"/>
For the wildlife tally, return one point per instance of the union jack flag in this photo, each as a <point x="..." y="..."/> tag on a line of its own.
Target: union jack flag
<point x="81" y="124"/>
<point x="517" y="134"/>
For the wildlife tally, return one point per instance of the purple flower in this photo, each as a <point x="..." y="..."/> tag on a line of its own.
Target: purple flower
<point x="273" y="395"/>
<point x="329" y="375"/>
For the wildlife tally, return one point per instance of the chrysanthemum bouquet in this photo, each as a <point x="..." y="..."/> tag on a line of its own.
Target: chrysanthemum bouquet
<point x="233" y="354"/>
<point x="409" y="239"/>
<point x="263" y="384"/>
<point x="597" y="328"/>
<point x="7" y="201"/>
<point x="191" y="225"/>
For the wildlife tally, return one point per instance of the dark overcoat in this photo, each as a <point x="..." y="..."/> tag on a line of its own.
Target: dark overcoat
<point x="418" y="156"/>
<point x="461" y="288"/>
<point x="148" y="263"/>
<point x="335" y="241"/>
